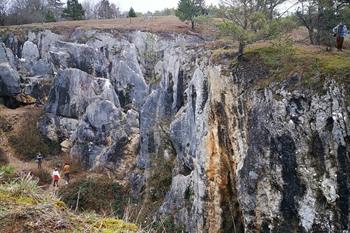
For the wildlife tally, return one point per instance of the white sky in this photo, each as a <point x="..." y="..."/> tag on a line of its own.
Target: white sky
<point x="148" y="5"/>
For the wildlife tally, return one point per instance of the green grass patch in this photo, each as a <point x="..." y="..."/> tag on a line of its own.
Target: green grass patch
<point x="313" y="66"/>
<point x="8" y="170"/>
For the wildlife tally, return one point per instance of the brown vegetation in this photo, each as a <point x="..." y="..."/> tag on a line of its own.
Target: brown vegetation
<point x="44" y="177"/>
<point x="3" y="158"/>
<point x="152" y="24"/>
<point x="99" y="194"/>
<point x="28" y="141"/>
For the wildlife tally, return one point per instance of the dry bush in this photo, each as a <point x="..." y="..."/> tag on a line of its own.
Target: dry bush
<point x="3" y="158"/>
<point x="43" y="176"/>
<point x="5" y="126"/>
<point x="28" y="141"/>
<point x="99" y="194"/>
<point x="25" y="207"/>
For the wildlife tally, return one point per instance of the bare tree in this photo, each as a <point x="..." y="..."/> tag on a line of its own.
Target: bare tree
<point x="115" y="11"/>
<point x="105" y="10"/>
<point x="89" y="9"/>
<point x="3" y="10"/>
<point x="269" y="7"/>
<point x="56" y="7"/>
<point x="26" y="11"/>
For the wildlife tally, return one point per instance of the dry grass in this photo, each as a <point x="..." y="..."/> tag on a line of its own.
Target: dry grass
<point x="154" y="24"/>
<point x="25" y="207"/>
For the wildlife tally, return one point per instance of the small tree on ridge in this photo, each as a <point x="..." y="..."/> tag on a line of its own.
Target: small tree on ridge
<point x="132" y="13"/>
<point x="74" y="10"/>
<point x="189" y="10"/>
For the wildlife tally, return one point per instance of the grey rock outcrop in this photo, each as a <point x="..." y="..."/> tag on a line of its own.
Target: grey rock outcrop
<point x="98" y="133"/>
<point x="30" y="51"/>
<point x="80" y="56"/>
<point x="9" y="81"/>
<point x="73" y="90"/>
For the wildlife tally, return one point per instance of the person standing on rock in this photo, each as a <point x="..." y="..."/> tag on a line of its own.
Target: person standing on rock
<point x="66" y="172"/>
<point x="55" y="177"/>
<point x="39" y="159"/>
<point x="340" y="32"/>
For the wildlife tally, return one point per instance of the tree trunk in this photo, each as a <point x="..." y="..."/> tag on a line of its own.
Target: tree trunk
<point x="241" y="49"/>
<point x="311" y="36"/>
<point x="192" y="24"/>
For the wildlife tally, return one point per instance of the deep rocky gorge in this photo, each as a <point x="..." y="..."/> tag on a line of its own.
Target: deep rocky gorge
<point x="237" y="158"/>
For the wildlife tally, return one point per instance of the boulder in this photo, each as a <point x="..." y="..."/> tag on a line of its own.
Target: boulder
<point x="46" y="41"/>
<point x="30" y="52"/>
<point x="81" y="56"/>
<point x="9" y="81"/>
<point x="73" y="90"/>
<point x="57" y="128"/>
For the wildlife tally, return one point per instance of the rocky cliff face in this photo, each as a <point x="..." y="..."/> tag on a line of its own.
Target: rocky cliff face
<point x="219" y="153"/>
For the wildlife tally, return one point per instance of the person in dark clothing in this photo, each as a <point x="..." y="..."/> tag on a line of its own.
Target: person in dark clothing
<point x="39" y="159"/>
<point x="340" y="32"/>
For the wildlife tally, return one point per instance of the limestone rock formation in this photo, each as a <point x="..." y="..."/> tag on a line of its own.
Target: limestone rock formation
<point x="215" y="151"/>
<point x="9" y="81"/>
<point x="73" y="90"/>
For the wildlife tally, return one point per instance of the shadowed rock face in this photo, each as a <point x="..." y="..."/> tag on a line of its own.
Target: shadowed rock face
<point x="9" y="81"/>
<point x="237" y="158"/>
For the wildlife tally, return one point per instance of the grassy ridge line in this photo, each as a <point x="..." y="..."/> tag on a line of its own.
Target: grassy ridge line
<point x="152" y="24"/>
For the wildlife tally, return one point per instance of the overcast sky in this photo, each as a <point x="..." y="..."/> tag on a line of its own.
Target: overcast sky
<point x="149" y="5"/>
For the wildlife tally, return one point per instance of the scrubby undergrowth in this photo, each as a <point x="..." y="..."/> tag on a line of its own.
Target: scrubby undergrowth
<point x="28" y="141"/>
<point x="314" y="66"/>
<point x="99" y="194"/>
<point x="25" y="207"/>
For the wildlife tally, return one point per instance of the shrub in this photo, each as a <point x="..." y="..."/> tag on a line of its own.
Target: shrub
<point x="44" y="177"/>
<point x="50" y="16"/>
<point x="28" y="141"/>
<point x="160" y="178"/>
<point x="282" y="26"/>
<point x="3" y="158"/>
<point x="99" y="194"/>
<point x="25" y="207"/>
<point x="24" y="185"/>
<point x="8" y="170"/>
<point x="5" y="126"/>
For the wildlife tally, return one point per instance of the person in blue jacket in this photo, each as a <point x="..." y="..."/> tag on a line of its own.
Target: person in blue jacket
<point x="340" y="32"/>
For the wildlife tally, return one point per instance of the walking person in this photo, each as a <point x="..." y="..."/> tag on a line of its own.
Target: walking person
<point x="66" y="172"/>
<point x="55" y="177"/>
<point x="340" y="32"/>
<point x="39" y="159"/>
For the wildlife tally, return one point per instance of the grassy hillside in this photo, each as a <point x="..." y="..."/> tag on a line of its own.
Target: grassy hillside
<point x="25" y="207"/>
